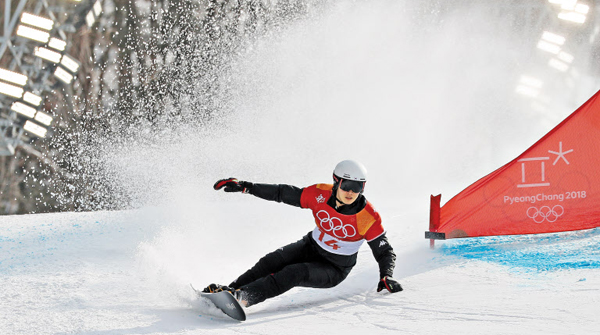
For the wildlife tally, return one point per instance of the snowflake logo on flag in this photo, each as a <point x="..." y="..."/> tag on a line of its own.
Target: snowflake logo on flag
<point x="560" y="154"/>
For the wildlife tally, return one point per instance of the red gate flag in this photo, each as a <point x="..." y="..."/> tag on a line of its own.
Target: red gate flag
<point x="553" y="186"/>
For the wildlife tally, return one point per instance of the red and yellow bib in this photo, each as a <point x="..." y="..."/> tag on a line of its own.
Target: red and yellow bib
<point x="338" y="233"/>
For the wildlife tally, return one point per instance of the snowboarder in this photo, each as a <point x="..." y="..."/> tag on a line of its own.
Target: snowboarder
<point x="324" y="257"/>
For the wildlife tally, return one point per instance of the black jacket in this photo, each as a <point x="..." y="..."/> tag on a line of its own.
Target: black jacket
<point x="381" y="248"/>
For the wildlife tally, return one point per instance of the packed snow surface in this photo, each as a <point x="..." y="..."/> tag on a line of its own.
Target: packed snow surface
<point x="129" y="273"/>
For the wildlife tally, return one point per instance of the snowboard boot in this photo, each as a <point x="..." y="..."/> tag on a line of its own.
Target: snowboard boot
<point x="241" y="297"/>
<point x="214" y="288"/>
<point x="237" y="294"/>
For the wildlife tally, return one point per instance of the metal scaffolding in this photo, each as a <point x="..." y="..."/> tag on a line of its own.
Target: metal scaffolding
<point x="34" y="62"/>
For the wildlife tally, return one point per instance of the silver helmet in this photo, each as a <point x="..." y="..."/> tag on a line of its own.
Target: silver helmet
<point x="350" y="175"/>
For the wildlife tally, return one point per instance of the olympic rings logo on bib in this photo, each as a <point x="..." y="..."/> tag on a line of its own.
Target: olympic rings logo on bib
<point x="335" y="225"/>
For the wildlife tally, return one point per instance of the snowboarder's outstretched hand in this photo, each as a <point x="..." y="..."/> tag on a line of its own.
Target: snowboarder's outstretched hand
<point x="233" y="185"/>
<point x="389" y="284"/>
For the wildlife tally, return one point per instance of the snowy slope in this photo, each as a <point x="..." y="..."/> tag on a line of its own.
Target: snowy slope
<point x="128" y="273"/>
<point x="395" y="87"/>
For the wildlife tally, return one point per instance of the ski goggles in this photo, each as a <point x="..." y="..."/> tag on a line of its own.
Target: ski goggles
<point x="352" y="185"/>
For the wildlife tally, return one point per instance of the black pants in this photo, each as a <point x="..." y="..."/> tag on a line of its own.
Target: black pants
<point x="296" y="264"/>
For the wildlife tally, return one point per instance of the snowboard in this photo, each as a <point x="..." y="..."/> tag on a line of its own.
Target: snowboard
<point x="225" y="302"/>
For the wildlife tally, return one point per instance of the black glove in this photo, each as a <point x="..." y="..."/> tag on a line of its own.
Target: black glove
<point x="233" y="185"/>
<point x="389" y="284"/>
